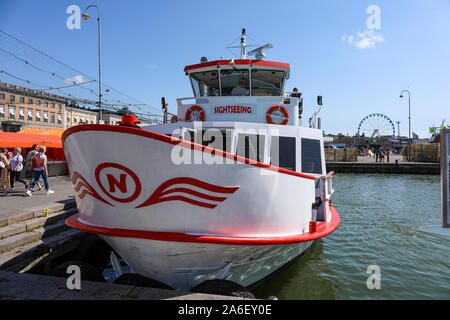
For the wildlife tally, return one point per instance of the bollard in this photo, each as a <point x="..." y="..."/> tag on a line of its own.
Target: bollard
<point x="312" y="226"/>
<point x="46" y="211"/>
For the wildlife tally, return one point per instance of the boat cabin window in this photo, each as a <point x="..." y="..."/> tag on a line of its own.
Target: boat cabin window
<point x="251" y="146"/>
<point x="235" y="82"/>
<point x="205" y="83"/>
<point x="212" y="137"/>
<point x="282" y="152"/>
<point x="311" y="156"/>
<point x="267" y="82"/>
<point x="217" y="139"/>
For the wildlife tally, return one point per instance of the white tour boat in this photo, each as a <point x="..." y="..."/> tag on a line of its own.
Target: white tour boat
<point x="231" y="188"/>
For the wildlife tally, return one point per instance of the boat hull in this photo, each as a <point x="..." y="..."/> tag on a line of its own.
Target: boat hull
<point x="211" y="215"/>
<point x="184" y="265"/>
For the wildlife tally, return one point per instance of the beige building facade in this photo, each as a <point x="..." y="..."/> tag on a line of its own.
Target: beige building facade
<point x="78" y="115"/>
<point x="37" y="109"/>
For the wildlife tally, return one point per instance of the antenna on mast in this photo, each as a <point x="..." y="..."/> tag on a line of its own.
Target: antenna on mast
<point x="243" y="46"/>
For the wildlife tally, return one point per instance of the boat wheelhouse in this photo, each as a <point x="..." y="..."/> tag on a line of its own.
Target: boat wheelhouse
<point x="242" y="107"/>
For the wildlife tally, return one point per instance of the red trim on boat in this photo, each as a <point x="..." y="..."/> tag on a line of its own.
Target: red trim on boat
<point x="179" y="142"/>
<point x="238" y="62"/>
<point x="322" y="229"/>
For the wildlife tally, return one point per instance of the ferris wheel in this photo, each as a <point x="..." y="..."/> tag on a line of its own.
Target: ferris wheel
<point x="376" y="124"/>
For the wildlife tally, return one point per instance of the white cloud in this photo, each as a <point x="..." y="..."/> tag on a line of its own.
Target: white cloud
<point x="368" y="39"/>
<point x="75" y="80"/>
<point x="364" y="40"/>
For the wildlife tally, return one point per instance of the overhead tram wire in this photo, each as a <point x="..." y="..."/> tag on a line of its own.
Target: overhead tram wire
<point x="68" y="86"/>
<point x="21" y="79"/>
<point x="27" y="62"/>
<point x="87" y="101"/>
<point x="72" y="98"/>
<point x="75" y="70"/>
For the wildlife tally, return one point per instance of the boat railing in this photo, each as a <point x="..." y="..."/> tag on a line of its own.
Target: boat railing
<point x="324" y="187"/>
<point x="192" y="101"/>
<point x="324" y="190"/>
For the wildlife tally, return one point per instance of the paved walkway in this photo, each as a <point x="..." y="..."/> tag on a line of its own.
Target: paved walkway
<point x="392" y="158"/>
<point x="18" y="201"/>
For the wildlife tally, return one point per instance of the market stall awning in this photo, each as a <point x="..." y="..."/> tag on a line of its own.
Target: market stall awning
<point x="24" y="140"/>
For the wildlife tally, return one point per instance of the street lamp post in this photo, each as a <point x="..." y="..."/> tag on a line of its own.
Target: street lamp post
<point x="409" y="118"/>
<point x="86" y="17"/>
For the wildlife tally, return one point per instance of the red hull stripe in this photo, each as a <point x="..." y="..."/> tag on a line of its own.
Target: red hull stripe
<point x="158" y="195"/>
<point x="176" y="141"/>
<point x="323" y="229"/>
<point x="238" y="62"/>
<point x="88" y="188"/>
<point x="194" y="193"/>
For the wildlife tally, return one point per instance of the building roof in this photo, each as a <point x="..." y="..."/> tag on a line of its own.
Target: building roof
<point x="31" y="92"/>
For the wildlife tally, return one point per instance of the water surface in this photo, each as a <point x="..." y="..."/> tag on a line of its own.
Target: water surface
<point x="381" y="220"/>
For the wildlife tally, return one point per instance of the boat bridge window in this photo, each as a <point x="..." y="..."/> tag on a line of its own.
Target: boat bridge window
<point x="235" y="82"/>
<point x="311" y="156"/>
<point x="282" y="152"/>
<point x="205" y="83"/>
<point x="267" y="82"/>
<point x="251" y="146"/>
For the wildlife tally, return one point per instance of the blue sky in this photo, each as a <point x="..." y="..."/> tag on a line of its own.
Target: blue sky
<point x="146" y="44"/>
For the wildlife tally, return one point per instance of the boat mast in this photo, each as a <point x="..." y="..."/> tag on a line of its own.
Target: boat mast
<point x="243" y="53"/>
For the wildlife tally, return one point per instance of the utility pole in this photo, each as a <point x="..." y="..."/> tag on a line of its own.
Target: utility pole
<point x="243" y="51"/>
<point x="86" y="17"/>
<point x="409" y="119"/>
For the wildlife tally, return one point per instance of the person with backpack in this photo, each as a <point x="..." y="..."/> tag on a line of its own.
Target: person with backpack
<point x="39" y="163"/>
<point x="29" y="166"/>
<point x="16" y="168"/>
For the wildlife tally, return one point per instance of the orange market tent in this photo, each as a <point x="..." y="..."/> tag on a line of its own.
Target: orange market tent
<point x="25" y="140"/>
<point x="52" y="131"/>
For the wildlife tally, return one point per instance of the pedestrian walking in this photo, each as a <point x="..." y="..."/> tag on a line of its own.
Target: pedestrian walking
<point x="381" y="155"/>
<point x="9" y="155"/>
<point x="29" y="166"/>
<point x="16" y="164"/>
<point x="39" y="163"/>
<point x="388" y="153"/>
<point x="377" y="154"/>
<point x="4" y="163"/>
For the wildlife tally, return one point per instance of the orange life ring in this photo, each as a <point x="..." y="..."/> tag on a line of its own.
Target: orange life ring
<point x="274" y="108"/>
<point x="174" y="119"/>
<point x="195" y="108"/>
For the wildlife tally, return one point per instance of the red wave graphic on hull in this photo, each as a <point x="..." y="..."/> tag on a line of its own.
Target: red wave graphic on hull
<point x="160" y="194"/>
<point x="89" y="190"/>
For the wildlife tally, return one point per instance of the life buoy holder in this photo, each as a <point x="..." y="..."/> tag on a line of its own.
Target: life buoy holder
<point x="274" y="113"/>
<point x="173" y="119"/>
<point x="195" y="109"/>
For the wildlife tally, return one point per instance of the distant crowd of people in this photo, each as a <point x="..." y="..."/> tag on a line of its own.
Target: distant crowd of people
<point x="381" y="154"/>
<point x="35" y="165"/>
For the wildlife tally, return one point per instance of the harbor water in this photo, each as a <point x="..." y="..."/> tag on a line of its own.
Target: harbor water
<point x="382" y="217"/>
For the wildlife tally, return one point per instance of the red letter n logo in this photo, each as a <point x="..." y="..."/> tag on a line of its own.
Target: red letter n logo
<point x="122" y="185"/>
